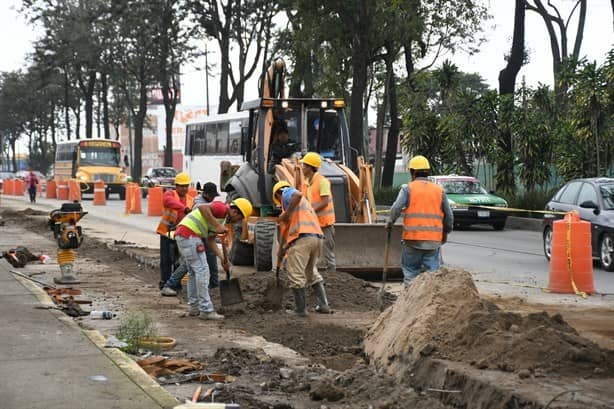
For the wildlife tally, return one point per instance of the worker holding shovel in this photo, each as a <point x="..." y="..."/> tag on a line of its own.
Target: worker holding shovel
<point x="300" y="237"/>
<point x="427" y="220"/>
<point x="203" y="221"/>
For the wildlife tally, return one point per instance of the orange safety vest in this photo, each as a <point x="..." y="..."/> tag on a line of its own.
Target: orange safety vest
<point x="423" y="218"/>
<point x="169" y="216"/>
<point x="326" y="216"/>
<point x="303" y="220"/>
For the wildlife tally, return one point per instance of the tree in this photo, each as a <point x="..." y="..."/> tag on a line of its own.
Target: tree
<point x="245" y="25"/>
<point x="507" y="82"/>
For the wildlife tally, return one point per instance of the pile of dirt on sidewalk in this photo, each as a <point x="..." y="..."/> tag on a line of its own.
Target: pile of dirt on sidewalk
<point x="441" y="315"/>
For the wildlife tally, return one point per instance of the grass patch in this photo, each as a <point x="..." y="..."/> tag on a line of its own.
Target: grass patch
<point x="135" y="326"/>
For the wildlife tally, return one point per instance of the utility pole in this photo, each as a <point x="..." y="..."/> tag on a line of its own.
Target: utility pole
<point x="207" y="77"/>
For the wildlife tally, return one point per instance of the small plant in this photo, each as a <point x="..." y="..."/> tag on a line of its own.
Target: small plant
<point x="386" y="196"/>
<point x="136" y="326"/>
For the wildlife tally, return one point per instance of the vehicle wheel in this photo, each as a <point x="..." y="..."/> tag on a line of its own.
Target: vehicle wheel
<point x="107" y="193"/>
<point x="547" y="242"/>
<point x="144" y="192"/>
<point x="263" y="244"/>
<point x="606" y="252"/>
<point x="498" y="226"/>
<point x="122" y="193"/>
<point x="241" y="254"/>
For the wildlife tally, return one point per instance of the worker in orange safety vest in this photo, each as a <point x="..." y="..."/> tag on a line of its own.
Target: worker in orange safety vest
<point x="177" y="203"/>
<point x="427" y="220"/>
<point x="300" y="237"/>
<point x="318" y="192"/>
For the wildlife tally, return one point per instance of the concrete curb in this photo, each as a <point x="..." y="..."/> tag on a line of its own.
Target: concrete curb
<point x="125" y="364"/>
<point x="523" y="223"/>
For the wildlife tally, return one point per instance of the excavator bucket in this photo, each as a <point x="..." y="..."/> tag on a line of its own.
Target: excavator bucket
<point x="359" y="249"/>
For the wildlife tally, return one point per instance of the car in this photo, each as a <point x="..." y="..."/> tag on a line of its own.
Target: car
<point x="466" y="195"/>
<point x="593" y="199"/>
<point x="162" y="176"/>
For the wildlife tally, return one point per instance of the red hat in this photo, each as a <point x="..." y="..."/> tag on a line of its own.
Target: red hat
<point x="218" y="209"/>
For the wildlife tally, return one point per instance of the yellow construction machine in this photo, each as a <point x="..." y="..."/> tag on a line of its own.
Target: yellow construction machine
<point x="313" y="125"/>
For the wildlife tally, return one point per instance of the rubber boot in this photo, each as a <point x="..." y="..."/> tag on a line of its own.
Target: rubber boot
<point x="320" y="292"/>
<point x="299" y="303"/>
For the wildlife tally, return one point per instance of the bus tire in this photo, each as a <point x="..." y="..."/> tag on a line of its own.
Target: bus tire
<point x="264" y="232"/>
<point x="241" y="254"/>
<point x="122" y="193"/>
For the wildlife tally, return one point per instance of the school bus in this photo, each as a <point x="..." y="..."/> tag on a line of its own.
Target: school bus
<point x="90" y="160"/>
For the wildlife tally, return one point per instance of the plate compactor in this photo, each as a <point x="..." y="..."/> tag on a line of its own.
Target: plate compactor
<point x="63" y="224"/>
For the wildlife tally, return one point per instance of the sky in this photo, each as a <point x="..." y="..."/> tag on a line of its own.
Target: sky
<point x="16" y="37"/>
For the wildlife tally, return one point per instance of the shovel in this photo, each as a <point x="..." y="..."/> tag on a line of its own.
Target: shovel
<point x="382" y="290"/>
<point x="274" y="292"/>
<point x="230" y="290"/>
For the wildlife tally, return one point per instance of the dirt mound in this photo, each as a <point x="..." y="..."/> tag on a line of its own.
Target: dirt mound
<point x="9" y="213"/>
<point x="442" y="315"/>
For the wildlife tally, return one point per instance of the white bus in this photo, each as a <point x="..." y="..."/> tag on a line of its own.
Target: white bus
<point x="210" y="142"/>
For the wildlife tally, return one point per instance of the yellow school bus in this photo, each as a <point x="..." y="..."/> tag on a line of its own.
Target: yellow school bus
<point x="89" y="160"/>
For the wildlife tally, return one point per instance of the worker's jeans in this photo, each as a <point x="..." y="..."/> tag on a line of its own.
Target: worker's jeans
<point x="301" y="262"/>
<point x="327" y="252"/>
<point x="414" y="261"/>
<point x="175" y="281"/>
<point x="198" y="273"/>
<point x="167" y="258"/>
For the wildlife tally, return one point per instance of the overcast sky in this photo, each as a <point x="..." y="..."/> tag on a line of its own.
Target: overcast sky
<point x="16" y="37"/>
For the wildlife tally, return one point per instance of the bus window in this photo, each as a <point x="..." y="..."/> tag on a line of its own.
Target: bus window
<point x="98" y="156"/>
<point x="221" y="142"/>
<point x="210" y="136"/>
<point x="199" y="140"/>
<point x="234" y="138"/>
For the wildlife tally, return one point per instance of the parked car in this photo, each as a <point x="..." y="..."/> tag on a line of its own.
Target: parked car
<point x="465" y="195"/>
<point x="593" y="199"/>
<point x="163" y="176"/>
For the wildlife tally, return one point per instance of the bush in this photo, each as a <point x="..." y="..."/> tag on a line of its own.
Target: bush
<point x="533" y="200"/>
<point x="136" y="325"/>
<point x="386" y="196"/>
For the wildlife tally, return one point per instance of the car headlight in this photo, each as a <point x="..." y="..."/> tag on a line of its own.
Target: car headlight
<point x="83" y="177"/>
<point x="501" y="205"/>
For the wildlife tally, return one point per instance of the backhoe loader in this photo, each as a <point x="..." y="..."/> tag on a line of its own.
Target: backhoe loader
<point x="313" y="125"/>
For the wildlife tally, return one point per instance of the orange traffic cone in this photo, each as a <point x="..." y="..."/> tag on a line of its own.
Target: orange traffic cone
<point x="100" y="197"/>
<point x="133" y="199"/>
<point x="18" y="188"/>
<point x="571" y="260"/>
<point x="154" y="201"/>
<point x="8" y="186"/>
<point x="74" y="191"/>
<point x="63" y="190"/>
<point x="51" y="193"/>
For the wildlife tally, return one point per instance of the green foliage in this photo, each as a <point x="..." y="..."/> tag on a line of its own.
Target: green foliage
<point x="386" y="196"/>
<point x="136" y="325"/>
<point x="532" y="200"/>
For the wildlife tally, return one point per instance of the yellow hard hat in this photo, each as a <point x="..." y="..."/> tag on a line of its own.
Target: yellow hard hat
<point x="279" y="185"/>
<point x="244" y="206"/>
<point x="182" y="179"/>
<point x="419" y="162"/>
<point x="312" y="159"/>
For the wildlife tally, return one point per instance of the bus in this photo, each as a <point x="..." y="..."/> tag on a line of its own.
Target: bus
<point x="90" y="160"/>
<point x="210" y="142"/>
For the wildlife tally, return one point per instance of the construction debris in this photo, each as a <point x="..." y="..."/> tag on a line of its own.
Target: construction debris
<point x="158" y="365"/>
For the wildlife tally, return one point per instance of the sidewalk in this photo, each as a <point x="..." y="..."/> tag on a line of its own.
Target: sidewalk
<point x="48" y="362"/>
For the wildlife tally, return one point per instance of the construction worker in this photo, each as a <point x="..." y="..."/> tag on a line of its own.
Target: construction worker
<point x="427" y="220"/>
<point x="176" y="204"/>
<point x="318" y="193"/>
<point x="172" y="286"/>
<point x="204" y="222"/>
<point x="300" y="237"/>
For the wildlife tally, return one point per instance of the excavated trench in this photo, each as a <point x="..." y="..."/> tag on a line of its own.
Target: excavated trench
<point x="424" y="357"/>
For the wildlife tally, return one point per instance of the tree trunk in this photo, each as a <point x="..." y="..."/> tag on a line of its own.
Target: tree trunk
<point x="88" y="96"/>
<point x="507" y="82"/>
<point x="379" y="140"/>
<point x="105" y="106"/>
<point x="224" y="101"/>
<point x="170" y="95"/>
<point x="66" y="105"/>
<point x="14" y="158"/>
<point x="139" y="123"/>
<point x="393" y="133"/>
<point x="359" y="84"/>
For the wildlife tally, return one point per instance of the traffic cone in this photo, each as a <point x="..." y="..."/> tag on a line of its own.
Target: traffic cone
<point x="154" y="201"/>
<point x="51" y="193"/>
<point x="100" y="197"/>
<point x="18" y="187"/>
<point x="133" y="199"/>
<point x="571" y="260"/>
<point x="74" y="191"/>
<point x="63" y="190"/>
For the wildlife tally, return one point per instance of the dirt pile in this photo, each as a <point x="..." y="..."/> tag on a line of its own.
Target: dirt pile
<point x="442" y="315"/>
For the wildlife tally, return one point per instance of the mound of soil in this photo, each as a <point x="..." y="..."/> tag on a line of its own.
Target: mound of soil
<point x="442" y="315"/>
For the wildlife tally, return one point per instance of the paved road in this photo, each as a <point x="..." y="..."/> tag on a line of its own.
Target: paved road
<point x="508" y="262"/>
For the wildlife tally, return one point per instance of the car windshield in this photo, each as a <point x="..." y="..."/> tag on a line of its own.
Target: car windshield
<point x="164" y="173"/>
<point x="607" y="192"/>
<point x="463" y="187"/>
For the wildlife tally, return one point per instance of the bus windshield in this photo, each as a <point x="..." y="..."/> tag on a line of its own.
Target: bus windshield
<point x="99" y="156"/>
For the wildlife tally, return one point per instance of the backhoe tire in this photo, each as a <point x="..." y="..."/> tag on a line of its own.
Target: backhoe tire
<point x="264" y="233"/>
<point x="241" y="254"/>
